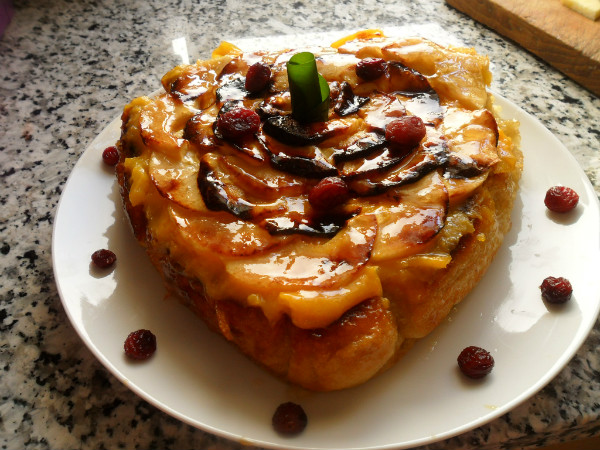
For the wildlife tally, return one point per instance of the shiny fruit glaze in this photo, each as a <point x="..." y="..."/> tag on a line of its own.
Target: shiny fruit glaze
<point x="405" y="132"/>
<point x="258" y="77"/>
<point x="238" y="124"/>
<point x="328" y="193"/>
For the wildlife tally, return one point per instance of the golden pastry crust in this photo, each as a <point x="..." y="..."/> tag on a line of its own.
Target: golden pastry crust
<point x="325" y="301"/>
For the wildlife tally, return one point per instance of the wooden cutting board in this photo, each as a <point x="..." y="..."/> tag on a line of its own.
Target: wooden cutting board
<point x="564" y="38"/>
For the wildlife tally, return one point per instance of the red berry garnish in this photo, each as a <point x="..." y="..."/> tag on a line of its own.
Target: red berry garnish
<point x="103" y="258"/>
<point x="561" y="199"/>
<point x="405" y="132"/>
<point x="289" y="419"/>
<point x="257" y="77"/>
<point x="140" y="344"/>
<point x="370" y="68"/>
<point x="110" y="156"/>
<point x="475" y="362"/>
<point x="238" y="124"/>
<point x="556" y="290"/>
<point x="328" y="193"/>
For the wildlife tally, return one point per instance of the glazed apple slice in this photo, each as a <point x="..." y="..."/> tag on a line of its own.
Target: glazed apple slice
<point x="458" y="74"/>
<point x="460" y="189"/>
<point x="409" y="218"/>
<point x="273" y="200"/>
<point x="159" y="128"/>
<point x="312" y="164"/>
<point x="472" y="138"/>
<point x="223" y="238"/>
<point x="405" y="79"/>
<point x="364" y="144"/>
<point x="310" y="263"/>
<point x="199" y="131"/>
<point x="431" y="155"/>
<point x="381" y="110"/>
<point x="426" y="105"/>
<point x="220" y="191"/>
<point x="382" y="160"/>
<point x="331" y="273"/>
<point x="195" y="82"/>
<point x="176" y="181"/>
<point x="262" y="181"/>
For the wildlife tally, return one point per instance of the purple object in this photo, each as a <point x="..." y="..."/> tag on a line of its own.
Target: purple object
<point x="6" y="13"/>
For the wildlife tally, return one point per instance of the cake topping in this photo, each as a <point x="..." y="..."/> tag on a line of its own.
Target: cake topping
<point x="258" y="77"/>
<point x="237" y="124"/>
<point x="230" y="135"/>
<point x="371" y="68"/>
<point x="309" y="91"/>
<point x="346" y="101"/>
<point x="405" y="132"/>
<point x="329" y="193"/>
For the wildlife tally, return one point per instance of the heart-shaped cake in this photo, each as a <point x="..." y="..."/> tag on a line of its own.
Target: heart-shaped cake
<point x="322" y="246"/>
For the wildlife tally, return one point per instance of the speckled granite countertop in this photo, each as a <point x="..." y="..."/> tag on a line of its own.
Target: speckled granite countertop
<point x="67" y="67"/>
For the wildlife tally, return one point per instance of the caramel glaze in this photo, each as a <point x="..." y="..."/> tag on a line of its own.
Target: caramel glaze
<point x="350" y="145"/>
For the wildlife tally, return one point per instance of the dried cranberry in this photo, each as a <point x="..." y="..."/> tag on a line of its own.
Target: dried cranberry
<point x="328" y="193"/>
<point x="475" y="362"/>
<point x="103" y="258"/>
<point x="257" y="77"/>
<point x="561" y="199"/>
<point x="370" y="68"/>
<point x="556" y="290"/>
<point x="140" y="344"/>
<point x="110" y="156"/>
<point x="238" y="124"/>
<point x="289" y="419"/>
<point x="406" y="131"/>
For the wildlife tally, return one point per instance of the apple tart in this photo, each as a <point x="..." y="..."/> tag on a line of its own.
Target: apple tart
<point x="322" y="249"/>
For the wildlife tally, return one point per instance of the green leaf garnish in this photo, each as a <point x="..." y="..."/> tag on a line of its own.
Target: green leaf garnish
<point x="308" y="89"/>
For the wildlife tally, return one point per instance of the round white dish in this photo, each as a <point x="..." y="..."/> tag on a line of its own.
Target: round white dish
<point x="200" y="379"/>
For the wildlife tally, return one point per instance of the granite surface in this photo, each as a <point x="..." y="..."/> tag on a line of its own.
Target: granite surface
<point x="67" y="67"/>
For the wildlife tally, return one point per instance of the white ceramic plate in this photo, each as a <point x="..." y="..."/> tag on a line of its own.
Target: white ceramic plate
<point x="200" y="379"/>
